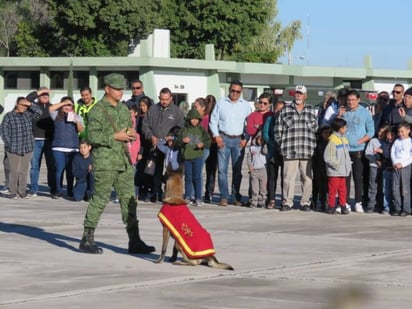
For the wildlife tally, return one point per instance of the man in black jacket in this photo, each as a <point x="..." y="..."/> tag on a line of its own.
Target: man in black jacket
<point x="43" y="129"/>
<point x="160" y="119"/>
<point x="137" y="94"/>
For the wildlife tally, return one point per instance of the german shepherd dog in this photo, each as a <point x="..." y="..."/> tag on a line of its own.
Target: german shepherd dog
<point x="174" y="196"/>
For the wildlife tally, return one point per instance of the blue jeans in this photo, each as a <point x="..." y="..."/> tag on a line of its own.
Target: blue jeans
<point x="42" y="147"/>
<point x="206" y="152"/>
<point x="63" y="161"/>
<point x="84" y="187"/>
<point x="231" y="150"/>
<point x="193" y="178"/>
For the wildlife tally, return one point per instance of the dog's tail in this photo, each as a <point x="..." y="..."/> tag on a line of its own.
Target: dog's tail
<point x="214" y="263"/>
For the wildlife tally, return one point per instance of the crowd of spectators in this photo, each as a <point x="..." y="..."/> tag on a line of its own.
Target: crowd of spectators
<point x="339" y="143"/>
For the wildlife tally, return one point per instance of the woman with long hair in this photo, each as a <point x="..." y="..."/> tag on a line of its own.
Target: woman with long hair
<point x="142" y="180"/>
<point x="211" y="161"/>
<point x="65" y="144"/>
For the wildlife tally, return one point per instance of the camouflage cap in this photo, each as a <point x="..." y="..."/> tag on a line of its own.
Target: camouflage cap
<point x="115" y="80"/>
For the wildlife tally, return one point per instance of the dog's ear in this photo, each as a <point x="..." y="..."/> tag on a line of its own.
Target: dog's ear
<point x="174" y="189"/>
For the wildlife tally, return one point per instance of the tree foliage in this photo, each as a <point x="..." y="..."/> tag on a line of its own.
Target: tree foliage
<point x="226" y="24"/>
<point x="272" y="42"/>
<point x="239" y="30"/>
<point x="9" y="21"/>
<point x="33" y="31"/>
<point x="101" y="28"/>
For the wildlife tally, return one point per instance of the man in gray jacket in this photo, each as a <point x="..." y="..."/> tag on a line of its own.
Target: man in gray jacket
<point x="160" y="119"/>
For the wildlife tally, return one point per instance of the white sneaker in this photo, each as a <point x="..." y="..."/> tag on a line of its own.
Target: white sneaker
<point x="338" y="210"/>
<point x="358" y="207"/>
<point x="348" y="207"/>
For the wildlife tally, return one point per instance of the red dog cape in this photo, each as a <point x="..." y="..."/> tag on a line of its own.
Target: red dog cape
<point x="191" y="236"/>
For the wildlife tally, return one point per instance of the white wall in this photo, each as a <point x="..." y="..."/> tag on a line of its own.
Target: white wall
<point x="387" y="85"/>
<point x="314" y="81"/>
<point x="256" y="79"/>
<point x="192" y="83"/>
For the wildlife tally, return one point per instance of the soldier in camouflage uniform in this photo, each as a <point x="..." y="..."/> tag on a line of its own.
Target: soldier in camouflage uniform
<point x="109" y="129"/>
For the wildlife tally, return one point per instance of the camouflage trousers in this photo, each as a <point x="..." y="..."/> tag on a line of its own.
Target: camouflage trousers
<point x="123" y="183"/>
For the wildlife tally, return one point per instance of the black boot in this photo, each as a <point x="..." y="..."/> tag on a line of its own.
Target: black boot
<point x="87" y="244"/>
<point x="136" y="245"/>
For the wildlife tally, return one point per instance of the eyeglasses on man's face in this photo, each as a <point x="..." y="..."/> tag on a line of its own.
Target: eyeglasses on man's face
<point x="235" y="91"/>
<point x="263" y="103"/>
<point x="396" y="92"/>
<point x="136" y="88"/>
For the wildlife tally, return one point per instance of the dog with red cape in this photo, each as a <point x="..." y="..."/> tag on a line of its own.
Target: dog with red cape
<point x="191" y="239"/>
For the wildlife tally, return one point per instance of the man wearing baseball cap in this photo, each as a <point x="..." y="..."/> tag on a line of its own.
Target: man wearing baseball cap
<point x="295" y="130"/>
<point x="109" y="129"/>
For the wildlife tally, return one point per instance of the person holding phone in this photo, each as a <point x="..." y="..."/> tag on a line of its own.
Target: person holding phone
<point x="65" y="144"/>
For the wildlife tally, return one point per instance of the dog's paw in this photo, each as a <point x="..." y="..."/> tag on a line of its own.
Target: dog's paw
<point x="172" y="259"/>
<point x="158" y="261"/>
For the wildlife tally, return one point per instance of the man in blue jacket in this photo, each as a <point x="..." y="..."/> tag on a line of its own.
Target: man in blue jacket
<point x="361" y="129"/>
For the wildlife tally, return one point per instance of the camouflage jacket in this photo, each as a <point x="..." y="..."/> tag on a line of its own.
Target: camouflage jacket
<point x="108" y="154"/>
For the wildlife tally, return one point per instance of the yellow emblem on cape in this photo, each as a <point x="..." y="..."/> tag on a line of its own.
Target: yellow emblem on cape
<point x="186" y="230"/>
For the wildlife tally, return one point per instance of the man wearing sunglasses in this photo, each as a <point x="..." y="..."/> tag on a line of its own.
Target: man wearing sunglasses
<point x="295" y="131"/>
<point x="227" y="124"/>
<point x="391" y="111"/>
<point x="137" y="94"/>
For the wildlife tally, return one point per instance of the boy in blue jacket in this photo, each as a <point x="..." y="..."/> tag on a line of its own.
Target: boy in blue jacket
<point x="82" y="171"/>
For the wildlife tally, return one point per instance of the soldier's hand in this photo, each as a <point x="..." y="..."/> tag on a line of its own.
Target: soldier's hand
<point x="131" y="131"/>
<point x="132" y="134"/>
<point x="122" y="136"/>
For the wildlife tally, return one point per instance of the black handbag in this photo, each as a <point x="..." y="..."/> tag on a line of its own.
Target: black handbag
<point x="150" y="166"/>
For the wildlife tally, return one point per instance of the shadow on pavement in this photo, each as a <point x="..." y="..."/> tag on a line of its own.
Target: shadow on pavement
<point x="39" y="233"/>
<point x="59" y="240"/>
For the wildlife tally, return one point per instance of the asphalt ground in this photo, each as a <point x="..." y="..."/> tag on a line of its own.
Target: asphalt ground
<point x="289" y="259"/>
